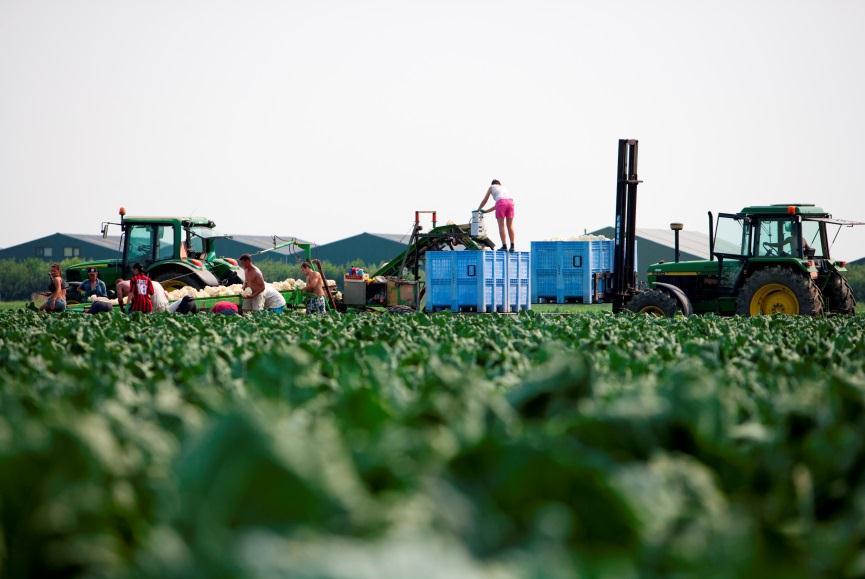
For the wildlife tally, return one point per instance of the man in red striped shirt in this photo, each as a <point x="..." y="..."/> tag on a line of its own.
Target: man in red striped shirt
<point x="142" y="289"/>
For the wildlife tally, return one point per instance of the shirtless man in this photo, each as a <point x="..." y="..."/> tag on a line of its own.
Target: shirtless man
<point x="315" y="287"/>
<point x="253" y="300"/>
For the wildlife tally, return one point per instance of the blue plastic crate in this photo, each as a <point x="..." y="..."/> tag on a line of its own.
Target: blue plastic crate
<point x="562" y="271"/>
<point x="480" y="281"/>
<point x="519" y="280"/>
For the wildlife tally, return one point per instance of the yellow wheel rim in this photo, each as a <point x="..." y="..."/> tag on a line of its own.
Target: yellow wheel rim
<point x="774" y="298"/>
<point x="172" y="285"/>
<point x="652" y="311"/>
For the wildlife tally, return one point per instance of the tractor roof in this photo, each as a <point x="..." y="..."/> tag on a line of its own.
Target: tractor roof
<point x="193" y="221"/>
<point x="784" y="209"/>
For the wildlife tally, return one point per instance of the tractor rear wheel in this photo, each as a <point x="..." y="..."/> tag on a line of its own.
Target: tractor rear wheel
<point x="839" y="296"/>
<point x="172" y="280"/>
<point x="653" y="302"/>
<point x="779" y="290"/>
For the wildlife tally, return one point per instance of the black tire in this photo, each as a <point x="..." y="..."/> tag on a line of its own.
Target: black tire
<point x="839" y="296"/>
<point x="175" y="279"/>
<point x="807" y="296"/>
<point x="653" y="302"/>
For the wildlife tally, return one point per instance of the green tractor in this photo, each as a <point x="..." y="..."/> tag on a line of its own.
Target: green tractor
<point x="175" y="251"/>
<point x="769" y="259"/>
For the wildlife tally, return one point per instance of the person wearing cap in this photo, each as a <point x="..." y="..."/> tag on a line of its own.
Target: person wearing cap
<point x="93" y="286"/>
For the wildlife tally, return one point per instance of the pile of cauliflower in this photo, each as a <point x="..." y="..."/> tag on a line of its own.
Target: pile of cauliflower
<point x="289" y="285"/>
<point x="208" y="292"/>
<point x="231" y="290"/>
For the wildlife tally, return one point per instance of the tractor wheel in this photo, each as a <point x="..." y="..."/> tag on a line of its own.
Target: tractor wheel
<point x="778" y="290"/>
<point x="172" y="280"/>
<point x="653" y="302"/>
<point x="839" y="296"/>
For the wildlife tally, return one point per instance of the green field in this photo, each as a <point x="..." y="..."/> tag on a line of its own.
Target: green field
<point x="431" y="446"/>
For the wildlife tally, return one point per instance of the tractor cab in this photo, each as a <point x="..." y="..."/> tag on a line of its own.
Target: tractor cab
<point x="175" y="251"/>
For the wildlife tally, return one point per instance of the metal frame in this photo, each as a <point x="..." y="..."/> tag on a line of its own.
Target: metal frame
<point x="624" y="278"/>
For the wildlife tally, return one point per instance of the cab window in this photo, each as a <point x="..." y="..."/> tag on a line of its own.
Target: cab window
<point x="165" y="242"/>
<point x="194" y="243"/>
<point x="811" y="238"/>
<point x="732" y="237"/>
<point x="776" y="238"/>
<point x="140" y="244"/>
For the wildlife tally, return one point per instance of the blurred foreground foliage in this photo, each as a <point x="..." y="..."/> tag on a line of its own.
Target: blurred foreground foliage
<point x="431" y="446"/>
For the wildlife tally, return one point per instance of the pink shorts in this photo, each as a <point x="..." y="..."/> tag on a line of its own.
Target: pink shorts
<point x="505" y="209"/>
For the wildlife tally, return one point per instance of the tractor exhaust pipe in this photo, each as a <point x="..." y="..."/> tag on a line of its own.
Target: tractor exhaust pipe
<point x="677" y="227"/>
<point x="711" y="237"/>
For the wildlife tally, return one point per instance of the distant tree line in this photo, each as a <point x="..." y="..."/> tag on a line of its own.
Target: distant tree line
<point x="20" y="279"/>
<point x="856" y="277"/>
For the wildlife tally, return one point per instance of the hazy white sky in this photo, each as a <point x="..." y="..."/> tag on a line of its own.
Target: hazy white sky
<point x="323" y="119"/>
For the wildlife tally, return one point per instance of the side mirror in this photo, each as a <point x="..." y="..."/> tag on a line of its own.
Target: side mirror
<point x="104" y="231"/>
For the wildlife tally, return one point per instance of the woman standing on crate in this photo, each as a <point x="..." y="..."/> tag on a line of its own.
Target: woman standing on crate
<point x="504" y="207"/>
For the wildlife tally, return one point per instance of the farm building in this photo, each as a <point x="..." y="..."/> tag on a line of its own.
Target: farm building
<point x="235" y="245"/>
<point x="654" y="245"/>
<point x="367" y="248"/>
<point x="60" y="246"/>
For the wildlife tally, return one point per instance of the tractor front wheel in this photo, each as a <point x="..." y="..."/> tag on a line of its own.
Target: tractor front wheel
<point x="839" y="296"/>
<point x="778" y="290"/>
<point x="173" y="280"/>
<point x="654" y="303"/>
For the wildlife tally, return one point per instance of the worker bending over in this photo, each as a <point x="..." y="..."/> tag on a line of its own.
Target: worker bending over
<point x="315" y="287"/>
<point x="273" y="300"/>
<point x="504" y="207"/>
<point x="253" y="285"/>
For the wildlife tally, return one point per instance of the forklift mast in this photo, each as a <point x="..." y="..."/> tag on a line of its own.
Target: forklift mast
<point x="624" y="279"/>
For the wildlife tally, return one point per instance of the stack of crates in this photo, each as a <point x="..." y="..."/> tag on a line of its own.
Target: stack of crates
<point x="570" y="271"/>
<point x="478" y="281"/>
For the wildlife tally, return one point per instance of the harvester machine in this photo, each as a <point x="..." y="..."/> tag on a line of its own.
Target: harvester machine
<point x="403" y="286"/>
<point x="439" y="237"/>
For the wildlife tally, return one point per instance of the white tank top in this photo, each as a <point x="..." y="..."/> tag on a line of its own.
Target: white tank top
<point x="499" y="192"/>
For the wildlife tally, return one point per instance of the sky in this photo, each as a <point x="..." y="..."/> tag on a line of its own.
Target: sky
<point x="324" y="119"/>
